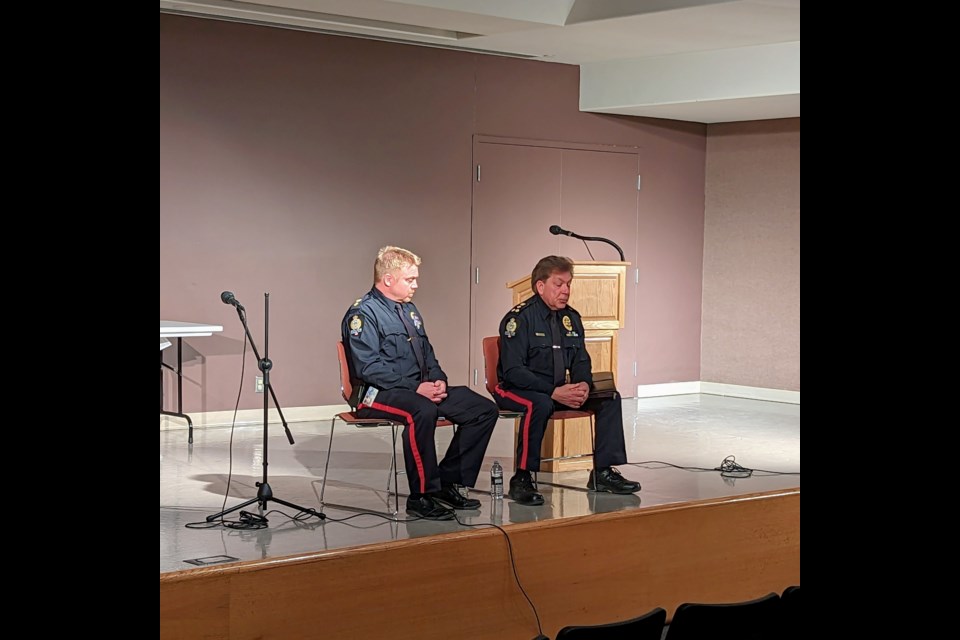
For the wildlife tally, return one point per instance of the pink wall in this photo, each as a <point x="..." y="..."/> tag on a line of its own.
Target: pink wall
<point x="288" y="158"/>
<point x="751" y="270"/>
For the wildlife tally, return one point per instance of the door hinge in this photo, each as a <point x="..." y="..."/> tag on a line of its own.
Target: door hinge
<point x="639" y="179"/>
<point x="478" y="173"/>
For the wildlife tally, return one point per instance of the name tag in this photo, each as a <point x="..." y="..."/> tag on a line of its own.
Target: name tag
<point x="369" y="396"/>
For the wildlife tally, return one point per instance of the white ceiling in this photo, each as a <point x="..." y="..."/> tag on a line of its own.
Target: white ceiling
<point x="696" y="60"/>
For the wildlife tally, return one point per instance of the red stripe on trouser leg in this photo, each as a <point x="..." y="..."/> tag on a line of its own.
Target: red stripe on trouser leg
<point x="413" y="441"/>
<point x="528" y="406"/>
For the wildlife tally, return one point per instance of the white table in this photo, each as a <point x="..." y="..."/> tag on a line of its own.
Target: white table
<point x="180" y="330"/>
<point x="174" y="329"/>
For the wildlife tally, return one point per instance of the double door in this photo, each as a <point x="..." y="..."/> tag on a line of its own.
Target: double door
<point x="520" y="189"/>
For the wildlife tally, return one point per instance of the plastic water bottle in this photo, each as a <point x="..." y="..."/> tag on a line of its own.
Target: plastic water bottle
<point x="496" y="480"/>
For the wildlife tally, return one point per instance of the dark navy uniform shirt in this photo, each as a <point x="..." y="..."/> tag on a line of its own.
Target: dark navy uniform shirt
<point x="379" y="347"/>
<point x="526" y="347"/>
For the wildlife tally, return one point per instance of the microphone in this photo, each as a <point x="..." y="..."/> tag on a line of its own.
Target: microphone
<point x="558" y="230"/>
<point x="227" y="297"/>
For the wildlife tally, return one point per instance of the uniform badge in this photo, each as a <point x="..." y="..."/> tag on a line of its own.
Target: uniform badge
<point x="511" y="329"/>
<point x="567" y="324"/>
<point x="417" y="322"/>
<point x="357" y="302"/>
<point x="356" y="325"/>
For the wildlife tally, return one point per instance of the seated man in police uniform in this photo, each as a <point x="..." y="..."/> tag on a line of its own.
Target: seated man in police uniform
<point x="544" y="367"/>
<point x="390" y="354"/>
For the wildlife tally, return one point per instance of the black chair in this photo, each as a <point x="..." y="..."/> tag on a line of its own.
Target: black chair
<point x="646" y="627"/>
<point x="753" y="620"/>
<point x="790" y="612"/>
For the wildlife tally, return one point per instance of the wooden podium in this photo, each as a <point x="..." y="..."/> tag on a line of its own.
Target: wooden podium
<point x="599" y="293"/>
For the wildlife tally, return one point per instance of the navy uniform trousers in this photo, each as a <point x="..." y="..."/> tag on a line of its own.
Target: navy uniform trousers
<point x="474" y="415"/>
<point x="609" y="446"/>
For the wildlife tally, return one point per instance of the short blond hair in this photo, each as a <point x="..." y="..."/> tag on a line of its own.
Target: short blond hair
<point x="393" y="258"/>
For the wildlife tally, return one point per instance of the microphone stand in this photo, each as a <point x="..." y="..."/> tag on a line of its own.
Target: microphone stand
<point x="595" y="239"/>
<point x="264" y="492"/>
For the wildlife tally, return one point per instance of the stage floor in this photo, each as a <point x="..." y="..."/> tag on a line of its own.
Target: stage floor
<point x="691" y="430"/>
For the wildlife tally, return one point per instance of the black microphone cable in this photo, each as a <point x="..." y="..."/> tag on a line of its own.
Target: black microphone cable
<point x="245" y="522"/>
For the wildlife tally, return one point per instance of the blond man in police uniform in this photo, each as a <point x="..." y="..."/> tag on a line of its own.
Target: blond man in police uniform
<point x="401" y="379"/>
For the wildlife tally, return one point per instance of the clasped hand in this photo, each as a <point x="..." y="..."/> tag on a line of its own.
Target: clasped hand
<point x="434" y="391"/>
<point x="571" y="395"/>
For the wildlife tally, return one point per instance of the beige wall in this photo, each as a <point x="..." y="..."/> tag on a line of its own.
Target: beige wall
<point x="751" y="259"/>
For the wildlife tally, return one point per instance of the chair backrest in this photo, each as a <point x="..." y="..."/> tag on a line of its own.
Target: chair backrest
<point x="646" y="627"/>
<point x="790" y="612"/>
<point x="752" y="620"/>
<point x="791" y="597"/>
<point x="346" y="384"/>
<point x="491" y="358"/>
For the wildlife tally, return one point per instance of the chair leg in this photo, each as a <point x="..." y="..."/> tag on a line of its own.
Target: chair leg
<point x="516" y="443"/>
<point x="326" y="466"/>
<point x="392" y="471"/>
<point x="593" y="455"/>
<point x="396" y="475"/>
<point x="593" y="462"/>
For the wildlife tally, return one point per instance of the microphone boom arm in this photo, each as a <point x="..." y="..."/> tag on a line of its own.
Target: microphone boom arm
<point x="596" y="239"/>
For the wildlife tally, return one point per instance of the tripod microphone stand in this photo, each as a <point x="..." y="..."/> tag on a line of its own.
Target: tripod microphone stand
<point x="264" y="492"/>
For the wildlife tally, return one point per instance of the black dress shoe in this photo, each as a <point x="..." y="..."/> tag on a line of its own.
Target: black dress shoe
<point x="609" y="480"/>
<point x="450" y="496"/>
<point x="523" y="491"/>
<point x="426" y="507"/>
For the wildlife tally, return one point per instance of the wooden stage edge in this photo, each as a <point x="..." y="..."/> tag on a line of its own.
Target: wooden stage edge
<point x="583" y="570"/>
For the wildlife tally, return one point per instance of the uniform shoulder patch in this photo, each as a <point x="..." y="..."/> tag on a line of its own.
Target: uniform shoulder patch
<point x="517" y="308"/>
<point x="356" y="325"/>
<point x="510" y="329"/>
<point x="357" y="303"/>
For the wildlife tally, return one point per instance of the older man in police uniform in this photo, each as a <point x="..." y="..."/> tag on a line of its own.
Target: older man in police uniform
<point x="544" y="366"/>
<point x="390" y="354"/>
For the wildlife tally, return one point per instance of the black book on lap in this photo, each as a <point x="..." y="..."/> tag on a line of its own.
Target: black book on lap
<point x="603" y="386"/>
